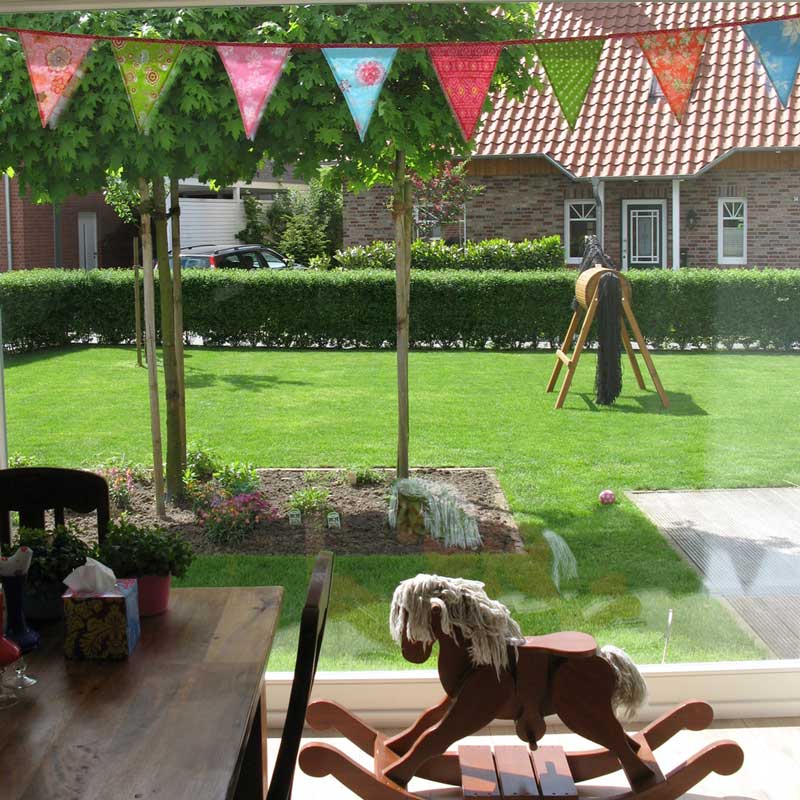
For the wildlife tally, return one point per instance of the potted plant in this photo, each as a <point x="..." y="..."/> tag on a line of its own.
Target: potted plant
<point x="149" y="554"/>
<point x="55" y="555"/>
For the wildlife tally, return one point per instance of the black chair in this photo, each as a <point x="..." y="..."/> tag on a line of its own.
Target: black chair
<point x="33" y="490"/>
<point x="312" y="629"/>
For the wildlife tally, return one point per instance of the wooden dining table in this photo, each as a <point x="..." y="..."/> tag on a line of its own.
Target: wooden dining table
<point x="182" y="719"/>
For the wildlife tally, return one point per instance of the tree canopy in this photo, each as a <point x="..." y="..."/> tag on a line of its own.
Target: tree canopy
<point x="197" y="129"/>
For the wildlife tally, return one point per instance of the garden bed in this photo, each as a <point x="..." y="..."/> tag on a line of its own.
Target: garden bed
<point x="362" y="510"/>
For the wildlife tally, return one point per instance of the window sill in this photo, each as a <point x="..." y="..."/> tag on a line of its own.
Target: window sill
<point x="735" y="689"/>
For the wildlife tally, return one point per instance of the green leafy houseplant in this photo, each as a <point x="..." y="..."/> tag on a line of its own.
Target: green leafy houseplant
<point x="55" y="555"/>
<point x="133" y="551"/>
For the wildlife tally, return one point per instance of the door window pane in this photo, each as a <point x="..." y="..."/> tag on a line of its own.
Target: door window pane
<point x="732" y="230"/>
<point x="581" y="222"/>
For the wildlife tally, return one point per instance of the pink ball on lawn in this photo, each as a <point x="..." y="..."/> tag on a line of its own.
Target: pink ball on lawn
<point x="607" y="497"/>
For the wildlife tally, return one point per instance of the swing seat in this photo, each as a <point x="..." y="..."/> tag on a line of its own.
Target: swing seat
<point x="516" y="771"/>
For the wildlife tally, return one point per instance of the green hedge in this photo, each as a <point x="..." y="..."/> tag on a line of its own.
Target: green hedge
<point x="500" y="254"/>
<point x="42" y="308"/>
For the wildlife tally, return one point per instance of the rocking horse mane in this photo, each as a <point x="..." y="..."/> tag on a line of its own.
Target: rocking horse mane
<point x="485" y="624"/>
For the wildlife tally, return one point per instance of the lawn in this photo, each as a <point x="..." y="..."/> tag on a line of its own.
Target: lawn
<point x="731" y="424"/>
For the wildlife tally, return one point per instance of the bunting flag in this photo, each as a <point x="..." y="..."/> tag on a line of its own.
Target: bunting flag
<point x="254" y="73"/>
<point x="778" y="46"/>
<point x="360" y="73"/>
<point x="146" y="68"/>
<point x="570" y="69"/>
<point x="674" y="59"/>
<point x="465" y="72"/>
<point x="54" y="65"/>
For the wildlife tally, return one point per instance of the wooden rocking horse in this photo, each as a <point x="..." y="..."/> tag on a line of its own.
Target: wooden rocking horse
<point x="489" y="671"/>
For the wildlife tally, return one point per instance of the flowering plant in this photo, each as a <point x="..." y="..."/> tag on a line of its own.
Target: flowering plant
<point x="442" y="197"/>
<point x="120" y="485"/>
<point x="229" y="519"/>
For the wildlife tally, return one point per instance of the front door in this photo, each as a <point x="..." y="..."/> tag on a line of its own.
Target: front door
<point x="87" y="240"/>
<point x="644" y="233"/>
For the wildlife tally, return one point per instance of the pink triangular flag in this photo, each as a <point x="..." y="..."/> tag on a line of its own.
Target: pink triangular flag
<point x="254" y="73"/>
<point x="54" y="65"/>
<point x="465" y="72"/>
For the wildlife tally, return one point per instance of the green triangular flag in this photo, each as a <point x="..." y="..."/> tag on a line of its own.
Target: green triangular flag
<point x="570" y="68"/>
<point x="146" y="68"/>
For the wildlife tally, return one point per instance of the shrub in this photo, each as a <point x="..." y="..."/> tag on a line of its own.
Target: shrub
<point x="449" y="308"/>
<point x="236" y="478"/>
<point x="55" y="554"/>
<point x="303" y="239"/>
<point x="364" y="476"/>
<point x="228" y="520"/>
<point x="497" y="254"/>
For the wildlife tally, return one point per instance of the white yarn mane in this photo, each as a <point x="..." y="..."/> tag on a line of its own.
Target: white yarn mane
<point x="465" y="607"/>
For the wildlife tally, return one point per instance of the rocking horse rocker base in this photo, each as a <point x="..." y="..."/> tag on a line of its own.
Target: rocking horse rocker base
<point x="515" y="771"/>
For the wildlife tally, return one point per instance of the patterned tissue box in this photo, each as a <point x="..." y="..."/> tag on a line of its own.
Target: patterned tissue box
<point x="102" y="626"/>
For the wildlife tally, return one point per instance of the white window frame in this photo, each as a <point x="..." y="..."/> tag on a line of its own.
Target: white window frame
<point x="567" y="203"/>
<point x="723" y="259"/>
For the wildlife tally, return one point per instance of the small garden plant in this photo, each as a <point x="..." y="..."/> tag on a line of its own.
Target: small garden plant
<point x="201" y="461"/>
<point x="313" y="499"/>
<point x="230" y="519"/>
<point x="120" y="486"/>
<point x="364" y="476"/>
<point x="237" y="478"/>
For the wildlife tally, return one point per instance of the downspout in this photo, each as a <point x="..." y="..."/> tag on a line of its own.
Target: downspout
<point x="599" y="192"/>
<point x="9" y="246"/>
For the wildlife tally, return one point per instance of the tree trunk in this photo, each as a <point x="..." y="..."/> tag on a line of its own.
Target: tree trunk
<point x="177" y="304"/>
<point x="402" y="213"/>
<point x="150" y="346"/>
<point x="174" y="468"/>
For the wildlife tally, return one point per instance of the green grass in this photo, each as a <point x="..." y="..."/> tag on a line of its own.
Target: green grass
<point x="732" y="423"/>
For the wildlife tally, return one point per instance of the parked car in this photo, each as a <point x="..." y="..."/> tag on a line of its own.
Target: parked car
<point x="234" y="256"/>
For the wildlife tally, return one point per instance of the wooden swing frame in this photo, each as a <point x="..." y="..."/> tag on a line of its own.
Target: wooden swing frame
<point x="583" y="317"/>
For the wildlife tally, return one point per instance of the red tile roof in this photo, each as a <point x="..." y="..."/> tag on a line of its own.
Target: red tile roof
<point x="621" y="131"/>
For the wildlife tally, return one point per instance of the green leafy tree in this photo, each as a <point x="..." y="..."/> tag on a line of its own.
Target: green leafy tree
<point x="197" y="129"/>
<point x="303" y="239"/>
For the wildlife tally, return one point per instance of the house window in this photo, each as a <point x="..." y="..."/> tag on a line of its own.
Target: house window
<point x="732" y="230"/>
<point x="656" y="91"/>
<point x="580" y="220"/>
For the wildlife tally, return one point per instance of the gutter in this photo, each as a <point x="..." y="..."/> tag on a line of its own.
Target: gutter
<point x="9" y="244"/>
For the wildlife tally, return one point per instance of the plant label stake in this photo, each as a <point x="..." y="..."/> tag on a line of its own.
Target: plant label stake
<point x="334" y="520"/>
<point x="295" y="517"/>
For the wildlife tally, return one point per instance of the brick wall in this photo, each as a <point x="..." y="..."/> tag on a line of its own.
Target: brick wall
<point x="33" y="232"/>
<point x="530" y="206"/>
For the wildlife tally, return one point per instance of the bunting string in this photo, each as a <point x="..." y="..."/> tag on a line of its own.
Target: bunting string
<point x="464" y="69"/>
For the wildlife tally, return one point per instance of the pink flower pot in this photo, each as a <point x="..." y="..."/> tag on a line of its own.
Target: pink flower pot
<point x="153" y="594"/>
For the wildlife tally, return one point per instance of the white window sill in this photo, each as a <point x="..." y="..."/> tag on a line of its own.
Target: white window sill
<point x="735" y="689"/>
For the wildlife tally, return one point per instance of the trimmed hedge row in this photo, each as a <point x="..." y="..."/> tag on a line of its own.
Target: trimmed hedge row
<point x="539" y="254"/>
<point x="43" y="308"/>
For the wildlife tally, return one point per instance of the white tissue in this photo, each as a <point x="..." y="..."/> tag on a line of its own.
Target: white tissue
<point x="92" y="577"/>
<point x="18" y="564"/>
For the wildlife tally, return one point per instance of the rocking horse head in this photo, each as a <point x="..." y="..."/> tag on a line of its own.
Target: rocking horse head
<point x="427" y="608"/>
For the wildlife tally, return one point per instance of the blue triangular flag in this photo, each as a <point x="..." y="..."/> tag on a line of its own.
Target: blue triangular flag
<point x="777" y="43"/>
<point x="360" y="73"/>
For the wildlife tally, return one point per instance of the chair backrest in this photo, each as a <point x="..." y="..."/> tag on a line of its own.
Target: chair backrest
<point x="312" y="629"/>
<point x="33" y="490"/>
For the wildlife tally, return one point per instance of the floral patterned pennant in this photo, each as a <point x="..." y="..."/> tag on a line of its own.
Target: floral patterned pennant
<point x="360" y="73"/>
<point x="254" y="74"/>
<point x="465" y="72"/>
<point x="54" y="65"/>
<point x="570" y="68"/>
<point x="674" y="59"/>
<point x="778" y="46"/>
<point x="146" y="68"/>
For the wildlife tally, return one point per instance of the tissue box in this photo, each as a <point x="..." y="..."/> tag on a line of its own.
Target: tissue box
<point x="102" y="626"/>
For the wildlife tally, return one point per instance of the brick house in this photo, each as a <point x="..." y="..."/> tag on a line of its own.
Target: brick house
<point x="79" y="233"/>
<point x="722" y="189"/>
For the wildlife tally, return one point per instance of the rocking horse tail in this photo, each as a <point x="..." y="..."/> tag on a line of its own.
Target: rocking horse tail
<point x="631" y="691"/>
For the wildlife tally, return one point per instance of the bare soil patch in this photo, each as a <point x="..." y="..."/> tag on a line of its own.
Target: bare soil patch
<point x="362" y="509"/>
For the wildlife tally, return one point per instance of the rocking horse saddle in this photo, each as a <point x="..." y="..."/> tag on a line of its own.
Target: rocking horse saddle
<point x="569" y="644"/>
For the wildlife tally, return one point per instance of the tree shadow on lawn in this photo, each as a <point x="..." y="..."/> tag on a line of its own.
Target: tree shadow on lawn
<point x="202" y="379"/>
<point x="680" y="404"/>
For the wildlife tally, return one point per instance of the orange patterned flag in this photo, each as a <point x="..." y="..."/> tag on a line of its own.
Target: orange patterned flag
<point x="674" y="59"/>
<point x="465" y="72"/>
<point x="54" y="65"/>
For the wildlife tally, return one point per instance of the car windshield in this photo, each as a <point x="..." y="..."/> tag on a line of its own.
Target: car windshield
<point x="195" y="262"/>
